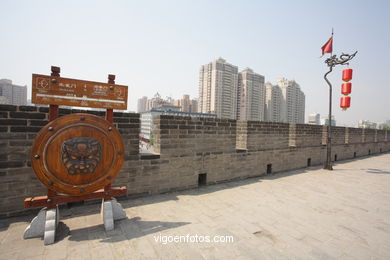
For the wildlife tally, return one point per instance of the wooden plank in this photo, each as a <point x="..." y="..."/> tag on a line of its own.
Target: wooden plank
<point x="54" y="90"/>
<point x="110" y="115"/>
<point x="42" y="201"/>
<point x="53" y="112"/>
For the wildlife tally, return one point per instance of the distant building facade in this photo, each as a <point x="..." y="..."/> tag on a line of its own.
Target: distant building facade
<point x="292" y="109"/>
<point x="141" y="104"/>
<point x="147" y="119"/>
<point x="187" y="105"/>
<point x="157" y="102"/>
<point x="3" y="100"/>
<point x="218" y="82"/>
<point x="251" y="96"/>
<point x="325" y="121"/>
<point x="273" y="101"/>
<point x="167" y="107"/>
<point x="314" y="119"/>
<point x="366" y="124"/>
<point x="12" y="94"/>
<point x="224" y="92"/>
<point x="284" y="102"/>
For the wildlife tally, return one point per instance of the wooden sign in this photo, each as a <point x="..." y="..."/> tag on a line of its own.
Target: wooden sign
<point x="54" y="90"/>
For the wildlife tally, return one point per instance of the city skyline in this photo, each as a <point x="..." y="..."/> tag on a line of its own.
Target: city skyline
<point x="159" y="46"/>
<point x="184" y="104"/>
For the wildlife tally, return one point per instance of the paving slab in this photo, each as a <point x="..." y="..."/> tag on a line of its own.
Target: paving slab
<point x="304" y="214"/>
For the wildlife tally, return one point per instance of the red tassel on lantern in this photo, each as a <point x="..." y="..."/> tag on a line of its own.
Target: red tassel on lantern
<point x="345" y="102"/>
<point x="347" y="75"/>
<point x="346" y="88"/>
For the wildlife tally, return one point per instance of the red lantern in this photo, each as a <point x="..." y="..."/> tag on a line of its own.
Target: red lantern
<point x="347" y="75"/>
<point x="345" y="102"/>
<point x="346" y="88"/>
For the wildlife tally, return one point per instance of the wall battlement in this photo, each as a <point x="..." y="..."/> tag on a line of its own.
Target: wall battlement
<point x="217" y="149"/>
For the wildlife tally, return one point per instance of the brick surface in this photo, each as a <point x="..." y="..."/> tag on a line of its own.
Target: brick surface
<point x="186" y="147"/>
<point x="28" y="108"/>
<point x="7" y="108"/>
<point x="27" y="115"/>
<point x="13" y="122"/>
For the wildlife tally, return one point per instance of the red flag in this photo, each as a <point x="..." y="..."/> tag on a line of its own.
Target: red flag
<point x="328" y="46"/>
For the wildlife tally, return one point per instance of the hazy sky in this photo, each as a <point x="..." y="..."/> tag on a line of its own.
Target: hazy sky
<point x="160" y="45"/>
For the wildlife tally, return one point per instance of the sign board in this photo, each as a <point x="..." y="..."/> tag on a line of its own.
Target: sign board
<point x="53" y="90"/>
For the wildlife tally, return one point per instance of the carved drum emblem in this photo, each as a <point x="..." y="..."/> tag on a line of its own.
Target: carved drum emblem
<point x="77" y="154"/>
<point x="81" y="155"/>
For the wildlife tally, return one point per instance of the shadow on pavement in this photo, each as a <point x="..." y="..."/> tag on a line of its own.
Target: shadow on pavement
<point x="125" y="229"/>
<point x="377" y="171"/>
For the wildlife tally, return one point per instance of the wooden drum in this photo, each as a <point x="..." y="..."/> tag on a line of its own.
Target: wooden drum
<point x="77" y="154"/>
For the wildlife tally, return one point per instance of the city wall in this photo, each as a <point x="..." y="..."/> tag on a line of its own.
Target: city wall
<point x="191" y="151"/>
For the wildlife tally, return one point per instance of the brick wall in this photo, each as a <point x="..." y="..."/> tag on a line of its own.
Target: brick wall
<point x="187" y="136"/>
<point x="355" y="135"/>
<point x="221" y="149"/>
<point x="266" y="135"/>
<point x="241" y="134"/>
<point x="369" y="135"/>
<point x="338" y="134"/>
<point x="18" y="129"/>
<point x="305" y="135"/>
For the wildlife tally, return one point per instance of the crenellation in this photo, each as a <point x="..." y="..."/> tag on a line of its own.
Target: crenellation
<point x="224" y="149"/>
<point x="369" y="135"/>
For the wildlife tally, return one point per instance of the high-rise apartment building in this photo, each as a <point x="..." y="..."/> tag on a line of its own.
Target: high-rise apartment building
<point x="229" y="94"/>
<point x="156" y="102"/>
<point x="273" y="101"/>
<point x="292" y="109"/>
<point x="187" y="104"/>
<point x="251" y="96"/>
<point x="218" y="82"/>
<point x="142" y="103"/>
<point x="314" y="119"/>
<point x="13" y="94"/>
<point x="194" y="106"/>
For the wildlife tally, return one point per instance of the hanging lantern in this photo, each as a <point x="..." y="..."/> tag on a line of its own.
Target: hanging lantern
<point x="346" y="88"/>
<point x="347" y="75"/>
<point x="345" y="102"/>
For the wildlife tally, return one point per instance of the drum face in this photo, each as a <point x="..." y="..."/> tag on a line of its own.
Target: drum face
<point x="77" y="154"/>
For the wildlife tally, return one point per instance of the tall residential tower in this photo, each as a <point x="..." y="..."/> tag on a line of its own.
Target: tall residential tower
<point x="292" y="108"/>
<point x="273" y="101"/>
<point x="251" y="96"/>
<point x="142" y="104"/>
<point x="12" y="94"/>
<point x="218" y="82"/>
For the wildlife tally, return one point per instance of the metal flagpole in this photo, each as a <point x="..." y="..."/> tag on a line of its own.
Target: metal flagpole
<point x="332" y="62"/>
<point x="328" y="162"/>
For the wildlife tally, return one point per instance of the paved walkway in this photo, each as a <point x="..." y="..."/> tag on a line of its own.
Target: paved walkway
<point x="305" y="214"/>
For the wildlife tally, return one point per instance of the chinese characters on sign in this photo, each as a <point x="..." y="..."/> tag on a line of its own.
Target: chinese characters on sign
<point x="73" y="92"/>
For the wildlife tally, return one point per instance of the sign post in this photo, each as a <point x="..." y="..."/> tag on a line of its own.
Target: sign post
<point x="78" y="155"/>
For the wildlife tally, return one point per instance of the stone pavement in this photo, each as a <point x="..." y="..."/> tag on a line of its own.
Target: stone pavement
<point x="304" y="214"/>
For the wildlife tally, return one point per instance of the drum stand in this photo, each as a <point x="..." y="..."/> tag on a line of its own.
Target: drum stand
<point x="45" y="223"/>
